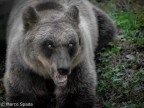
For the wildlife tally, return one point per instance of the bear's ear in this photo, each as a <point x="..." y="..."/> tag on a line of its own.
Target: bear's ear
<point x="30" y="18"/>
<point x="72" y="14"/>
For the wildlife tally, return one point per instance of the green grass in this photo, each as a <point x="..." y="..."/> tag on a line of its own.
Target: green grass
<point x="120" y="66"/>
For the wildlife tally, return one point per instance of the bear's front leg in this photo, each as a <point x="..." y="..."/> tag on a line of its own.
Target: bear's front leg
<point x="76" y="100"/>
<point x="80" y="89"/>
<point x="25" y="89"/>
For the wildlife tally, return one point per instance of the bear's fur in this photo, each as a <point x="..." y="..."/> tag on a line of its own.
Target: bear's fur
<point x="50" y="52"/>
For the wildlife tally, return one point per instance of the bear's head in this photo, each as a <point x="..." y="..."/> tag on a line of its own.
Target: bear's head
<point x="52" y="44"/>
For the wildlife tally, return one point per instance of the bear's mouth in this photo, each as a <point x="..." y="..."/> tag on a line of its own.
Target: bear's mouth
<point x="60" y="80"/>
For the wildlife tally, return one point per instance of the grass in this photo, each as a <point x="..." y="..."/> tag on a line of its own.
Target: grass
<point x="120" y="66"/>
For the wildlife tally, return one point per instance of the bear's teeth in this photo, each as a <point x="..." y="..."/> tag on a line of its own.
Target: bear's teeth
<point x="61" y="78"/>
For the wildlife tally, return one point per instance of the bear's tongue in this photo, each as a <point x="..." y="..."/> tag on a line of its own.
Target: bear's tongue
<point x="61" y="78"/>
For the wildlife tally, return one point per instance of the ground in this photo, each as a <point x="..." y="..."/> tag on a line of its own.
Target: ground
<point x="120" y="66"/>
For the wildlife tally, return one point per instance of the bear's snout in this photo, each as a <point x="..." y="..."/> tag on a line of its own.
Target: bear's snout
<point x="63" y="71"/>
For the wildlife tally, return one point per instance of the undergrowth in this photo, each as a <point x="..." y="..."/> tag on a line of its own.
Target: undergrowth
<point x="120" y="66"/>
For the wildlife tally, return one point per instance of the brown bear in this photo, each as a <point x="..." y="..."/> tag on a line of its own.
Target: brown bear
<point x="50" y="53"/>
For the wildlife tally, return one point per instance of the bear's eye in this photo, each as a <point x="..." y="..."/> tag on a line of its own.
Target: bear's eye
<point x="72" y="48"/>
<point x="50" y="46"/>
<point x="71" y="45"/>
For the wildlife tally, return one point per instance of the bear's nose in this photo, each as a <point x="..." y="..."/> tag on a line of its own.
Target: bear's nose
<point x="63" y="71"/>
